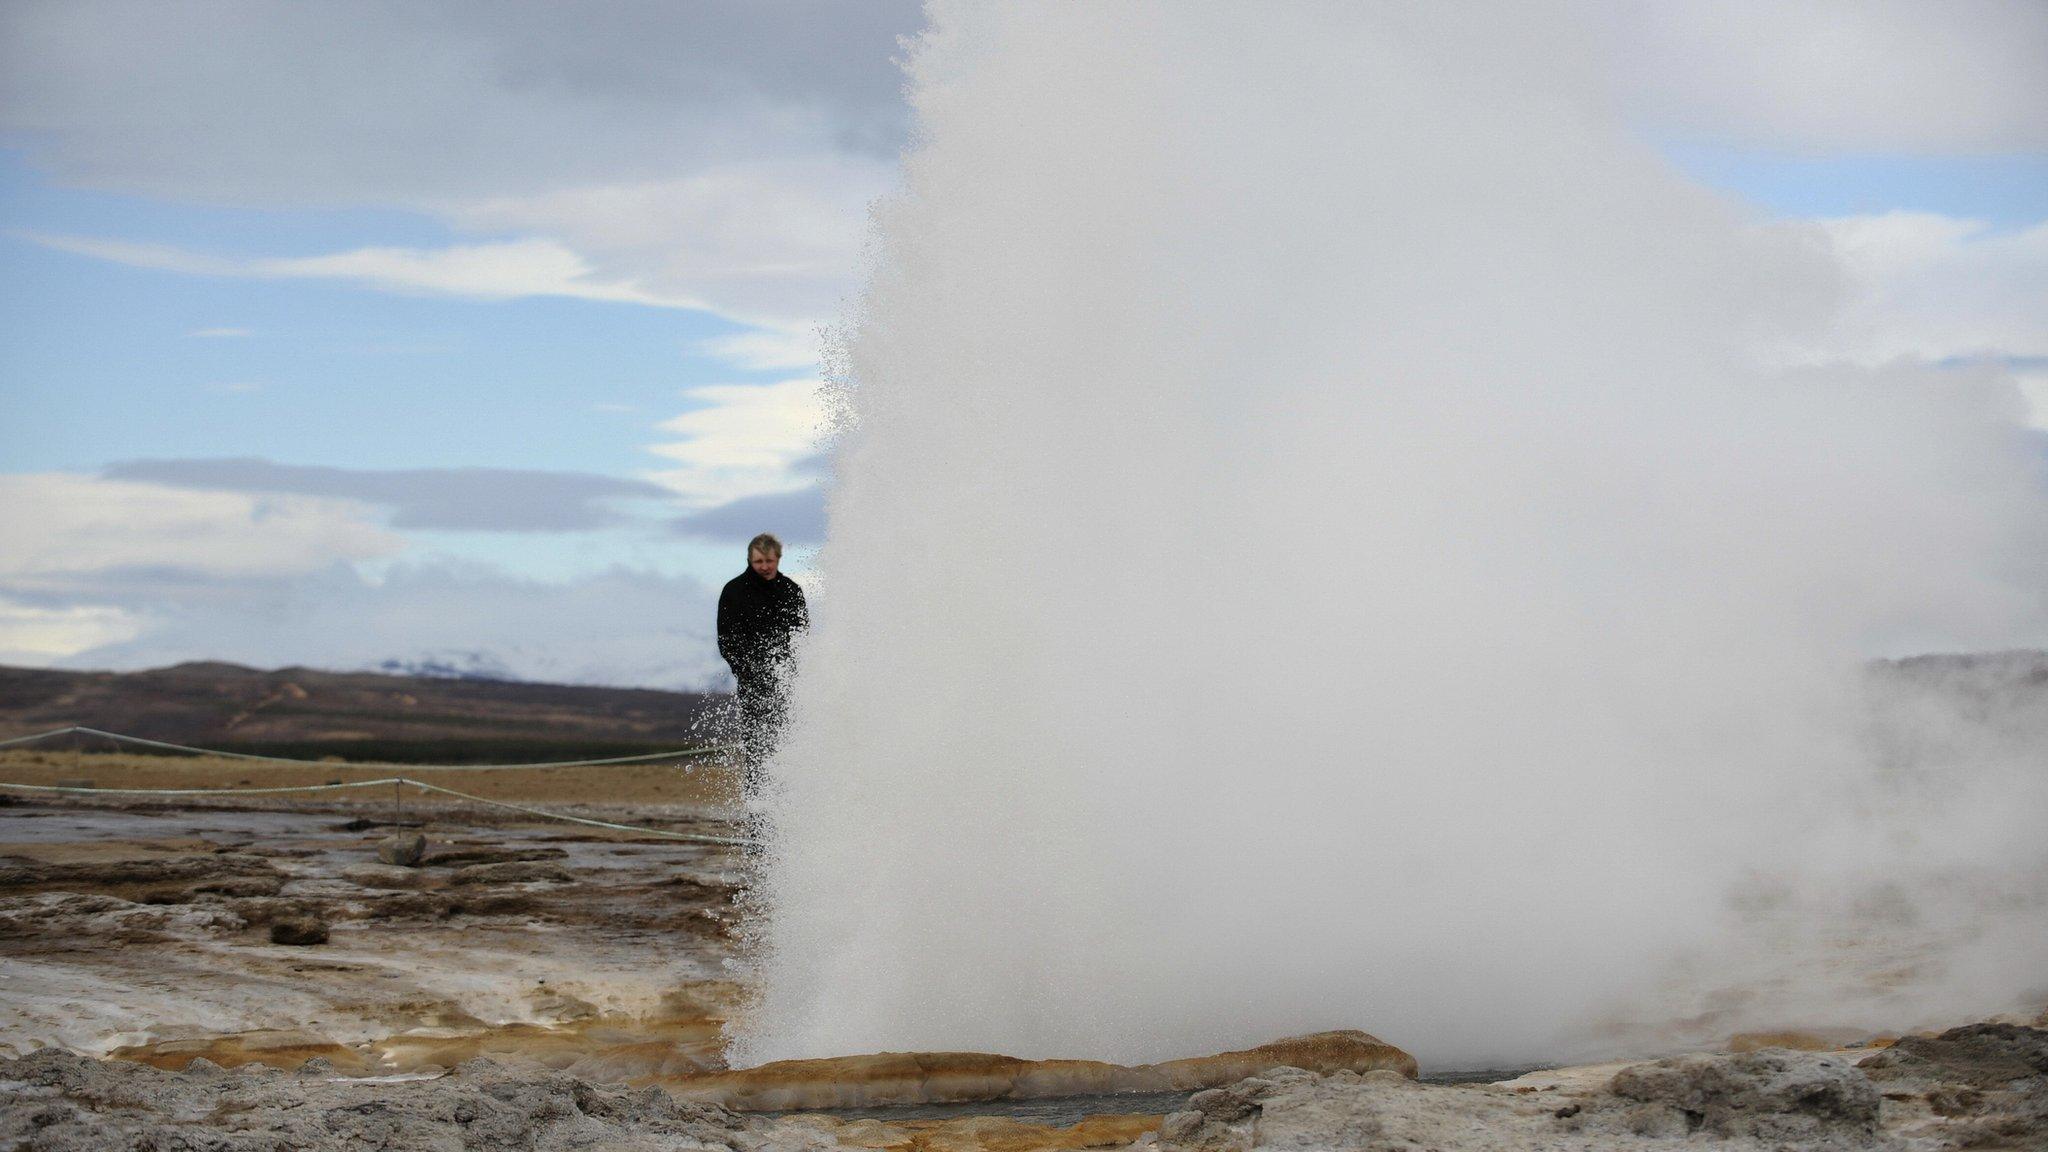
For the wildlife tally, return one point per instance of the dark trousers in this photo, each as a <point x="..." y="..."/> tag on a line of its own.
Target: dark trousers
<point x="764" y="706"/>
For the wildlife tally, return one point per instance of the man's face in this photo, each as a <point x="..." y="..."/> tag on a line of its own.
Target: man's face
<point x="764" y="565"/>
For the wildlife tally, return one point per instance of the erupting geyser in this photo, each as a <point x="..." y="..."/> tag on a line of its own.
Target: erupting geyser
<point x="1334" y="532"/>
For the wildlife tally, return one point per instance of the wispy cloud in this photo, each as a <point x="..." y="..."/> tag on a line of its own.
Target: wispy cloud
<point x="743" y="440"/>
<point x="776" y="245"/>
<point x="766" y="349"/>
<point x="466" y="499"/>
<point x="501" y="270"/>
<point x="221" y="333"/>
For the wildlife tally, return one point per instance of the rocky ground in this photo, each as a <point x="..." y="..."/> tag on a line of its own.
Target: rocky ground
<point x="160" y="935"/>
<point x="294" y="977"/>
<point x="1981" y="1086"/>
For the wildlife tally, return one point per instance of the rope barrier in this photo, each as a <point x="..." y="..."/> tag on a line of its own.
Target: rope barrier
<point x="690" y="837"/>
<point x="695" y="837"/>
<point x="202" y="791"/>
<point x="139" y="740"/>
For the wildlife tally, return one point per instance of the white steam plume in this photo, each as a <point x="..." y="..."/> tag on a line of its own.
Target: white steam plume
<point x="1320" y="543"/>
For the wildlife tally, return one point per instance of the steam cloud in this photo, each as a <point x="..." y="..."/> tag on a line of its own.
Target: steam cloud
<point x="1325" y="538"/>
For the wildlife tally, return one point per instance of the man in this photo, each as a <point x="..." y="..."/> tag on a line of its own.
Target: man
<point x="758" y="612"/>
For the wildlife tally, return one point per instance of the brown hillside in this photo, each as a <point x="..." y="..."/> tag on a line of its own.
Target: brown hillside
<point x="302" y="711"/>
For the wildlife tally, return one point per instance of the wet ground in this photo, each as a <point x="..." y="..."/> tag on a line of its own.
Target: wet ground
<point x="150" y="935"/>
<point x="537" y="978"/>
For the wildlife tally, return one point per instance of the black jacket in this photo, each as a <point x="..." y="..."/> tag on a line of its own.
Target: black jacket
<point x="756" y="618"/>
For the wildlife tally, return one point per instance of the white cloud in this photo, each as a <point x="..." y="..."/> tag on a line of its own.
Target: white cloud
<point x="721" y="155"/>
<point x="744" y="440"/>
<point x="774" y="244"/>
<point x="122" y="574"/>
<point x="221" y="333"/>
<point x="1939" y="288"/>
<point x="37" y="636"/>
<point x="766" y="349"/>
<point x="67" y="532"/>
<point x="1836" y="76"/>
<point x="713" y="155"/>
<point x="618" y="627"/>
<point x="502" y="270"/>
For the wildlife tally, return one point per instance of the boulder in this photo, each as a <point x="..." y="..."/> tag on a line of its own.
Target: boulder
<point x="403" y="850"/>
<point x="1769" y="1095"/>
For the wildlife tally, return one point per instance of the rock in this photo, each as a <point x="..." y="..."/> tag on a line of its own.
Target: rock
<point x="494" y="904"/>
<point x="148" y="881"/>
<point x="403" y="850"/>
<point x="1657" y="1121"/>
<point x="385" y="876"/>
<point x="1768" y="1095"/>
<point x="1228" y="1104"/>
<point x="940" y="1077"/>
<point x="241" y="886"/>
<point x="409" y="905"/>
<point x="58" y="1101"/>
<point x="299" y="929"/>
<point x="512" y="872"/>
<point x="1989" y="1081"/>
<point x="1980" y="1055"/>
<point x="1181" y="1127"/>
<point x="451" y="857"/>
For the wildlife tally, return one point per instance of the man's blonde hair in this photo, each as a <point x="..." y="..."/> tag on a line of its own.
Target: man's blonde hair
<point x="766" y="544"/>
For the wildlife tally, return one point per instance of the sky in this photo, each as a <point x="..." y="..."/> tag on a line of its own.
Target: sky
<point x="485" y="335"/>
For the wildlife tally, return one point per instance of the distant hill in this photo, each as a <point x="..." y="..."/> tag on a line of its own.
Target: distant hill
<point x="460" y="714"/>
<point x="357" y="715"/>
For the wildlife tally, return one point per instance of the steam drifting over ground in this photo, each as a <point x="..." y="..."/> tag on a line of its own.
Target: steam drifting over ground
<point x="1327" y="538"/>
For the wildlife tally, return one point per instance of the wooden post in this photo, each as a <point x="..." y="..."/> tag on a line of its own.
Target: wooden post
<point x="398" y="801"/>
